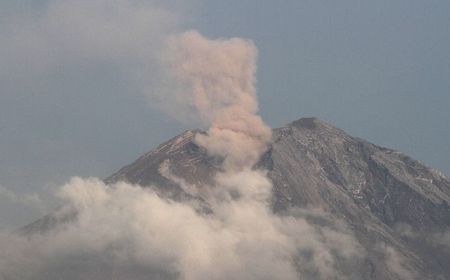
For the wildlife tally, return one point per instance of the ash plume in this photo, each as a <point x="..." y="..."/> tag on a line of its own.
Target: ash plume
<point x="217" y="78"/>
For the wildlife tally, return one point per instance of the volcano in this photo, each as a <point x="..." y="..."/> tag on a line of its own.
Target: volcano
<point x="396" y="207"/>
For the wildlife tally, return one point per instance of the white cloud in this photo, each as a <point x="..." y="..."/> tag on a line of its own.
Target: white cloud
<point x="127" y="231"/>
<point x="30" y="200"/>
<point x="396" y="263"/>
<point x="67" y="34"/>
<point x="14" y="206"/>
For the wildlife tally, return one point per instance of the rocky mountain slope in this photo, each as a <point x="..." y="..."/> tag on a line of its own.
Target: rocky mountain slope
<point x="384" y="196"/>
<point x="396" y="207"/>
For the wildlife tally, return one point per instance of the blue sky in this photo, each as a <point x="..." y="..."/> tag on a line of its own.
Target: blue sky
<point x="72" y="74"/>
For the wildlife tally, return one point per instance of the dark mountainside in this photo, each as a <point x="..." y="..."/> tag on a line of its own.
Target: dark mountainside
<point x="396" y="207"/>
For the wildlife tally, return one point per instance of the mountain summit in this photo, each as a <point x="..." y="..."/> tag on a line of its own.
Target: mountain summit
<point x="396" y="207"/>
<point x="388" y="199"/>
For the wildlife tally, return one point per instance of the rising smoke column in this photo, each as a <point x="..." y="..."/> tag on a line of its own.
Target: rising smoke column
<point x="218" y="79"/>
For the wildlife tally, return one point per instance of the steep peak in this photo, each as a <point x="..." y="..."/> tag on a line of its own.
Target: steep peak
<point x="182" y="139"/>
<point x="175" y="144"/>
<point x="309" y="123"/>
<point x="311" y="127"/>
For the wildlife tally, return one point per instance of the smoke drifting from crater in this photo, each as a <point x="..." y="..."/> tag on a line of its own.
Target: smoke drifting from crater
<point x="216" y="79"/>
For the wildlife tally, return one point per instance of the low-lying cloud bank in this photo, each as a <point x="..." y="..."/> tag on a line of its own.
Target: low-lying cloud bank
<point x="124" y="231"/>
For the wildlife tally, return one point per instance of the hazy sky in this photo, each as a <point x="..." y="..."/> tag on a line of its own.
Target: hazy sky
<point x="72" y="76"/>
